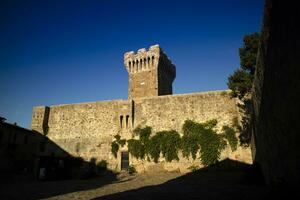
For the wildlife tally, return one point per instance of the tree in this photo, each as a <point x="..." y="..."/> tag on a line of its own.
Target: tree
<point x="248" y="53"/>
<point x="2" y="119"/>
<point x="240" y="82"/>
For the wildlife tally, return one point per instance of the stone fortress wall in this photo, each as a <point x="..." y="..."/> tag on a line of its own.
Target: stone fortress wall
<point x="87" y="129"/>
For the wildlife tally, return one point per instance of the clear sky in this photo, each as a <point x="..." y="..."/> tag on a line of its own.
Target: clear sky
<point x="61" y="52"/>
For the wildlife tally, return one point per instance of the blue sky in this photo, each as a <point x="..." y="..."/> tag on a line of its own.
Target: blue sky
<point x="61" y="52"/>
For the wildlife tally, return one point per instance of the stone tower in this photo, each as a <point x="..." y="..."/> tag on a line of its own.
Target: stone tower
<point x="151" y="73"/>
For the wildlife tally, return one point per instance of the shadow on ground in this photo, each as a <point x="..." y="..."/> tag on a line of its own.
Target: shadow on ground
<point x="46" y="189"/>
<point x="226" y="180"/>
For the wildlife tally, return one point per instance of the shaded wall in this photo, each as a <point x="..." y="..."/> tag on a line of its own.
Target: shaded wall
<point x="276" y="94"/>
<point x="21" y="150"/>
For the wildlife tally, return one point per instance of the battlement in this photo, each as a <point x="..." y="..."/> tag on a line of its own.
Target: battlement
<point x="144" y="60"/>
<point x="151" y="72"/>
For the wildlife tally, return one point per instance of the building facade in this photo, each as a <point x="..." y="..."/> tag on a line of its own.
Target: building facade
<point x="88" y="129"/>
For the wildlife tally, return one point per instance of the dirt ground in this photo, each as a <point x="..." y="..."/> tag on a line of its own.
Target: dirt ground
<point x="202" y="184"/>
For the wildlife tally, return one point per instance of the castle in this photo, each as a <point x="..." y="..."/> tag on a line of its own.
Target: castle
<point x="88" y="129"/>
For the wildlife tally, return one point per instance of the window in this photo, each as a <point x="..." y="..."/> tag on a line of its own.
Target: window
<point x="127" y="119"/>
<point x="152" y="60"/>
<point x="121" y="121"/>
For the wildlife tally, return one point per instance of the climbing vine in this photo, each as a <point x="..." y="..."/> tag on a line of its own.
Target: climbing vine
<point x="115" y="145"/>
<point x="114" y="148"/>
<point x="136" y="148"/>
<point x="230" y="136"/>
<point x="197" y="138"/>
<point x="201" y="137"/>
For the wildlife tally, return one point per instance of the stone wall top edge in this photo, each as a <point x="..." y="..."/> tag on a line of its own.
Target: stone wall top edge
<point x="142" y="50"/>
<point x="214" y="92"/>
<point x="87" y="103"/>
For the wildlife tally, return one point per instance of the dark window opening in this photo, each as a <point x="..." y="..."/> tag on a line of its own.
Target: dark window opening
<point x="127" y="119"/>
<point x="152" y="60"/>
<point x="121" y="121"/>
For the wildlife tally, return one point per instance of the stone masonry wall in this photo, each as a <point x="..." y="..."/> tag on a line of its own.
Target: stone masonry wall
<point x="276" y="95"/>
<point x="151" y="73"/>
<point x="87" y="129"/>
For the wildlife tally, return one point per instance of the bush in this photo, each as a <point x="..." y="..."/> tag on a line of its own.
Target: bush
<point x="131" y="169"/>
<point x="101" y="166"/>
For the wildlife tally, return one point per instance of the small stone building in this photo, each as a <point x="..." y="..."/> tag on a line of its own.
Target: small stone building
<point x="88" y="129"/>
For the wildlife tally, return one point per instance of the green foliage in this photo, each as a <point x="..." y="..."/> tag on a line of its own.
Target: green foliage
<point x="194" y="168"/>
<point x="115" y="145"/>
<point x="170" y="144"/>
<point x="248" y="52"/>
<point x="114" y="148"/>
<point x="117" y="137"/>
<point x="189" y="140"/>
<point x="235" y="124"/>
<point x="101" y="165"/>
<point x="166" y="143"/>
<point x="143" y="133"/>
<point x="240" y="82"/>
<point x="197" y="137"/>
<point x="136" y="148"/>
<point x="201" y="136"/>
<point x="230" y="136"/>
<point x="119" y="141"/>
<point x="153" y="147"/>
<point x="131" y="169"/>
<point x="211" y="146"/>
<point x="210" y="124"/>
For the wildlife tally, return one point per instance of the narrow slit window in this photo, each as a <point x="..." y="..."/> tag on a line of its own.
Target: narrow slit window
<point x="127" y="119"/>
<point x="121" y="121"/>
<point x="152" y="60"/>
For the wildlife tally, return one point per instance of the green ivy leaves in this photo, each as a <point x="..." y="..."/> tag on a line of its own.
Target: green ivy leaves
<point x="197" y="137"/>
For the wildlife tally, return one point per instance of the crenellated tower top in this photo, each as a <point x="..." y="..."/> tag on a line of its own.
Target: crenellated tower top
<point x="151" y="73"/>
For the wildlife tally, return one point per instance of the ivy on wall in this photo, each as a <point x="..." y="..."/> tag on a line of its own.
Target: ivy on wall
<point x="229" y="135"/>
<point x="197" y="138"/>
<point x="202" y="137"/>
<point x="115" y="145"/>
